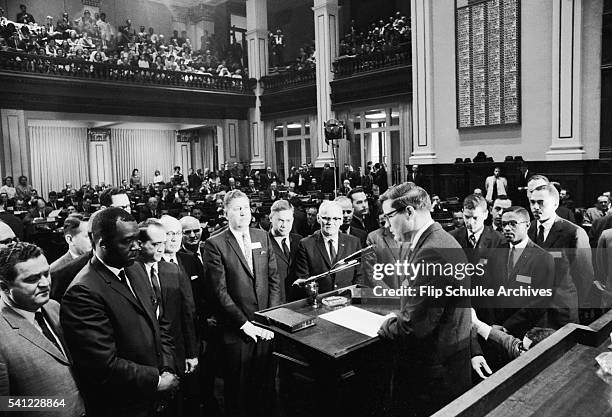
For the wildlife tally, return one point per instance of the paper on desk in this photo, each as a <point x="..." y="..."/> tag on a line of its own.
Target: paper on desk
<point x="356" y="319"/>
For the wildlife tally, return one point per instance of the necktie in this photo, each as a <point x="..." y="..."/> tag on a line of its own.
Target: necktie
<point x="332" y="252"/>
<point x="246" y="249"/>
<point x="38" y="316"/>
<point x="124" y="281"/>
<point x="472" y="239"/>
<point x="540" y="237"/>
<point x="156" y="291"/>
<point x="494" y="195"/>
<point x="285" y="247"/>
<point x="511" y="260"/>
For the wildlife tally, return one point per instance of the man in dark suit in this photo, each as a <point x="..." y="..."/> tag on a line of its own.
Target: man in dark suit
<point x="597" y="228"/>
<point x="75" y="235"/>
<point x="347" y="218"/>
<point x="312" y="224"/>
<point x="268" y="178"/>
<point x="327" y="179"/>
<point x="284" y="242"/>
<point x="191" y="259"/>
<point x="34" y="359"/>
<point x="173" y="298"/>
<point x="150" y="211"/>
<point x="522" y="264"/>
<point x="415" y="176"/>
<point x="386" y="251"/>
<point x="123" y="355"/>
<point x="432" y="335"/>
<point x="562" y="238"/>
<point x="362" y="218"/>
<point x="241" y="265"/>
<point x="319" y="252"/>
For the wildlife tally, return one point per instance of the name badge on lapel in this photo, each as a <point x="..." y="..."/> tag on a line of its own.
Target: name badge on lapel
<point x="524" y="279"/>
<point x="256" y="245"/>
<point x="483" y="261"/>
<point x="556" y="254"/>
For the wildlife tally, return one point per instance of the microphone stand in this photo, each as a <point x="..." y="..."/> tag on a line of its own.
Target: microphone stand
<point x="312" y="284"/>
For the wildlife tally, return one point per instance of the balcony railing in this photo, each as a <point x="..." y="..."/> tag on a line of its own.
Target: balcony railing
<point x="289" y="79"/>
<point x="69" y="68"/>
<point x="349" y="65"/>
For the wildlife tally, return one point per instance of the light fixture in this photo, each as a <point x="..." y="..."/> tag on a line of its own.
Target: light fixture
<point x="380" y="115"/>
<point x="294" y="126"/>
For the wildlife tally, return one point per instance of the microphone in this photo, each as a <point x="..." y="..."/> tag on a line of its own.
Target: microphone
<point x="353" y="256"/>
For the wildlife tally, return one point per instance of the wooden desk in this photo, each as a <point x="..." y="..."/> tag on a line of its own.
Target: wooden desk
<point x="329" y="370"/>
<point x="558" y="377"/>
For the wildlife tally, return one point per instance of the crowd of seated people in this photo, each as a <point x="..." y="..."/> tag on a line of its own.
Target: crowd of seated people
<point x="380" y="37"/>
<point x="94" y="39"/>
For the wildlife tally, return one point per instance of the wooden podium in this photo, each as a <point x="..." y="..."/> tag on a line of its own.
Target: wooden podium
<point x="330" y="370"/>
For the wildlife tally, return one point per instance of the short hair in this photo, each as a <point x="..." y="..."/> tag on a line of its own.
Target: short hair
<point x="280" y="205"/>
<point x="354" y="191"/>
<point x="518" y="210"/>
<point x="537" y="334"/>
<point x="104" y="224"/>
<point x="329" y="204"/>
<point x="106" y="197"/>
<point x="143" y="227"/>
<point x="232" y="195"/>
<point x="406" y="194"/>
<point x="474" y="200"/>
<point x="391" y="191"/>
<point x="538" y="177"/>
<point x="72" y="224"/>
<point x="343" y="200"/>
<point x="502" y="197"/>
<point x="552" y="190"/>
<point x="14" y="253"/>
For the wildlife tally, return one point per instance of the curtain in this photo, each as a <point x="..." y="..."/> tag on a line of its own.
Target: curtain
<point x="144" y="149"/>
<point x="58" y="155"/>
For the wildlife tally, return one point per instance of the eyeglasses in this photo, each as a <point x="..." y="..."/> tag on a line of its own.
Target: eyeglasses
<point x="194" y="231"/>
<point x="512" y="223"/>
<point x="174" y="234"/>
<point x="330" y="219"/>
<point x="390" y="214"/>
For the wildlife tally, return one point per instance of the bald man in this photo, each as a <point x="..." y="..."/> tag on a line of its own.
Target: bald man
<point x="319" y="252"/>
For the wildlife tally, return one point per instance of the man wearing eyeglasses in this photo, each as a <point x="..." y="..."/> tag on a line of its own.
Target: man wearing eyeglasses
<point x="431" y="334"/>
<point x="522" y="264"/>
<point x="319" y="252"/>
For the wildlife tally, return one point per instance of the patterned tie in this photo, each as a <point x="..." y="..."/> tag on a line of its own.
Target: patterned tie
<point x="540" y="237"/>
<point x="38" y="316"/>
<point x="472" y="240"/>
<point x="246" y="250"/>
<point x="285" y="247"/>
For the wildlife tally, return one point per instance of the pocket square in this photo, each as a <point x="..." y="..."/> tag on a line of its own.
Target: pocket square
<point x="194" y="277"/>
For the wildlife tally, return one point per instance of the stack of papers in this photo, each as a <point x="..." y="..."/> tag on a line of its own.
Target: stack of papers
<point x="356" y="319"/>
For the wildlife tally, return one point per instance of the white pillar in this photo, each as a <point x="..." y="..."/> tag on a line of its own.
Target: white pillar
<point x="100" y="166"/>
<point x="257" y="41"/>
<point x="326" y="51"/>
<point x="566" y="81"/>
<point x="423" y="150"/>
<point x="15" y="144"/>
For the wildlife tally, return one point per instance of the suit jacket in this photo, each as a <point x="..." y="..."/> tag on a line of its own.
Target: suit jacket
<point x="603" y="265"/>
<point x="14" y="222"/>
<point x="62" y="276"/>
<point x="598" y="226"/>
<point x="574" y="243"/>
<point x="369" y="223"/>
<point x="592" y="214"/>
<point x="35" y="213"/>
<point x="327" y="181"/>
<point x="178" y="309"/>
<point x="30" y="365"/>
<point x="490" y="182"/>
<point x="286" y="265"/>
<point x="534" y="268"/>
<point x="61" y="261"/>
<point x="362" y="235"/>
<point x="386" y="251"/>
<point x="118" y="345"/>
<point x="433" y="334"/>
<point x="201" y="289"/>
<point x="239" y="291"/>
<point x="488" y="241"/>
<point x="312" y="259"/>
